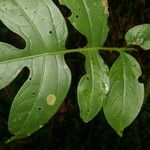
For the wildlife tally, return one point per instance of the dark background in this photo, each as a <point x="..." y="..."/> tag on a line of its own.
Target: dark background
<point x="66" y="131"/>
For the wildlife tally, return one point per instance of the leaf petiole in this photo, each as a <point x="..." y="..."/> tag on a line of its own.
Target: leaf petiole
<point x="80" y="50"/>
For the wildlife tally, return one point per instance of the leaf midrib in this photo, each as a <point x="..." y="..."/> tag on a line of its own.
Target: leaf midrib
<point x="124" y="88"/>
<point x="24" y="58"/>
<point x="89" y="20"/>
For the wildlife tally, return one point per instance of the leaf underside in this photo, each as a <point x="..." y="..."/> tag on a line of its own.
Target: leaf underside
<point x="94" y="85"/>
<point x="126" y="94"/>
<point x="43" y="27"/>
<point x="139" y="35"/>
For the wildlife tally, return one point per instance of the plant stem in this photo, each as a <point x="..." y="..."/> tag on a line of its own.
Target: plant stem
<point x="81" y="50"/>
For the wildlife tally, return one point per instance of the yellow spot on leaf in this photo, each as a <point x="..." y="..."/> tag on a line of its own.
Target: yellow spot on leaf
<point x="51" y="99"/>
<point x="40" y="126"/>
<point x="105" y="4"/>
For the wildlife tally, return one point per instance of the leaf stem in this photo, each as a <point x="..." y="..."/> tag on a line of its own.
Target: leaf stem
<point x="81" y="50"/>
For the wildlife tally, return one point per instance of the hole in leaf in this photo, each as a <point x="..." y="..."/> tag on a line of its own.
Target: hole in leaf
<point x="39" y="108"/>
<point x="33" y="93"/>
<point x="9" y="37"/>
<point x="77" y="16"/>
<point x="87" y="78"/>
<point x="50" y="32"/>
<point x="140" y="79"/>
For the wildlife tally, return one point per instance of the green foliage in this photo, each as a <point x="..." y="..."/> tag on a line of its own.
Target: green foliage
<point x="139" y="35"/>
<point x="49" y="80"/>
<point x="126" y="94"/>
<point x="44" y="29"/>
<point x="94" y="85"/>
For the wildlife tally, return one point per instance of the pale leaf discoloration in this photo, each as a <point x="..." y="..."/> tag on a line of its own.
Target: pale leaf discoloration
<point x="105" y="4"/>
<point x="51" y="99"/>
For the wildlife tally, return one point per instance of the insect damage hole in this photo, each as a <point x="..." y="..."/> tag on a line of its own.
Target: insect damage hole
<point x="77" y="16"/>
<point x="39" y="108"/>
<point x="51" y="99"/>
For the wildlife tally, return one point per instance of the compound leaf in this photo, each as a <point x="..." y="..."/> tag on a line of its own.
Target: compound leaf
<point x="139" y="35"/>
<point x="94" y="85"/>
<point x="126" y="94"/>
<point x="43" y="27"/>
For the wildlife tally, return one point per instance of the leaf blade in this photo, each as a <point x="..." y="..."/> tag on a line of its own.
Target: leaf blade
<point x="43" y="33"/>
<point x="93" y="87"/>
<point x="118" y="108"/>
<point x="84" y="20"/>
<point x="139" y="35"/>
<point x="95" y="29"/>
<point x="33" y="95"/>
<point x="35" y="21"/>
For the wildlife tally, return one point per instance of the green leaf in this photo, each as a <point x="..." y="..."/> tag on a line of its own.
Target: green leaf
<point x="126" y="94"/>
<point x="93" y="86"/>
<point x="139" y="35"/>
<point x="43" y="27"/>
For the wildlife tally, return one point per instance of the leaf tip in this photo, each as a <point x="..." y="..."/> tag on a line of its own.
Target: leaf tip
<point x="84" y="118"/>
<point x="120" y="133"/>
<point x="11" y="139"/>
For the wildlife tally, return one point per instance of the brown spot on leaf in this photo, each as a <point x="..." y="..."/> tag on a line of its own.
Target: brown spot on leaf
<point x="105" y="4"/>
<point x="51" y="99"/>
